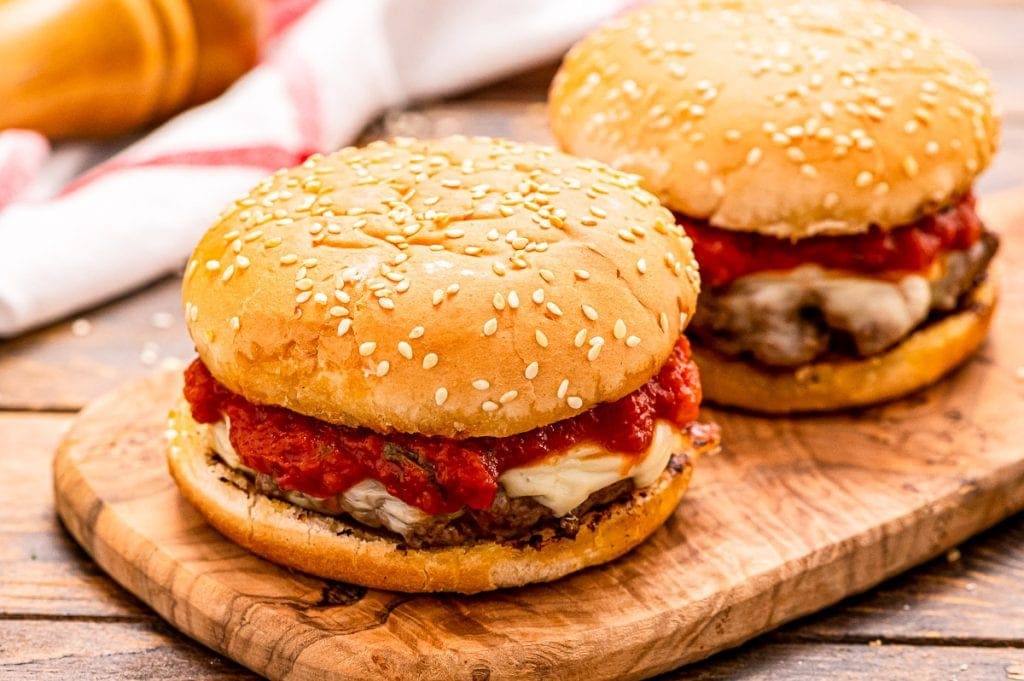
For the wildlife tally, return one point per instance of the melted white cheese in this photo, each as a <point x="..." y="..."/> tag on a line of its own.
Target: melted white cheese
<point x="561" y="481"/>
<point x="564" y="481"/>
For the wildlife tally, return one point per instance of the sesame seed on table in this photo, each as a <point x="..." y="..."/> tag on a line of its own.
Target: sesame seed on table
<point x="959" y="616"/>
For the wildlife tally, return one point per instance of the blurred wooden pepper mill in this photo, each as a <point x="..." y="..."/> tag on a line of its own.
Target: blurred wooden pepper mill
<point x="97" y="68"/>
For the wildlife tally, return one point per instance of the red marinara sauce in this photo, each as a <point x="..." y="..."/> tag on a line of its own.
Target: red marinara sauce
<point x="725" y="255"/>
<point x="434" y="474"/>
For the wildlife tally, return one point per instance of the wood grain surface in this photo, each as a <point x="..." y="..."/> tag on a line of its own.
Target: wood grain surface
<point x="794" y="515"/>
<point x="61" y="616"/>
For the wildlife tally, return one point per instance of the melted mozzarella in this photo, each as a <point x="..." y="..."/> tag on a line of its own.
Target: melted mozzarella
<point x="561" y="481"/>
<point x="565" y="480"/>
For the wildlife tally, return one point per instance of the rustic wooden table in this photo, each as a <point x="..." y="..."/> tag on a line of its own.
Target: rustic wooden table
<point x="958" y="617"/>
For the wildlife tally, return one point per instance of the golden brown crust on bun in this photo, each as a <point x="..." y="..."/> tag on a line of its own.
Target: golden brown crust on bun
<point x="331" y="548"/>
<point x="457" y="287"/>
<point x="921" y="359"/>
<point x="788" y="118"/>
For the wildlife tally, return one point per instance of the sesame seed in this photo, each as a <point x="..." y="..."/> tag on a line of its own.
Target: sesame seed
<point x="563" y="388"/>
<point x="753" y="156"/>
<point x="619" y="330"/>
<point x="547" y="275"/>
<point x="575" y="402"/>
<point x="440" y="396"/>
<point x="343" y="326"/>
<point x="513" y="300"/>
<point x="597" y="211"/>
<point x="303" y="297"/>
<point x="581" y="337"/>
<point x="532" y="369"/>
<point x="633" y="341"/>
<point x="234" y="323"/>
<point x="242" y="262"/>
<point x="366" y="349"/>
<point x="641" y="266"/>
<point x="386" y="303"/>
<point x="596" y="343"/>
<point x="304" y="284"/>
<point x="382" y="368"/>
<point x="430" y="360"/>
<point x="438" y="296"/>
<point x="626" y="235"/>
<point x="554" y="309"/>
<point x="509" y="396"/>
<point x="538" y="296"/>
<point x="910" y="166"/>
<point x="489" y="406"/>
<point x="289" y="259"/>
<point x="582" y="275"/>
<point x="663" y="322"/>
<point x="416" y="332"/>
<point x="481" y="384"/>
<point x="864" y="178"/>
<point x="490" y="326"/>
<point x="589" y="312"/>
<point x="212" y="265"/>
<point x="228" y="271"/>
<point x="320" y="298"/>
<point x="542" y="340"/>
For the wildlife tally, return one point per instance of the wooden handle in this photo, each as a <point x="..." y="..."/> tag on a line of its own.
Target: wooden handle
<point x="82" y="68"/>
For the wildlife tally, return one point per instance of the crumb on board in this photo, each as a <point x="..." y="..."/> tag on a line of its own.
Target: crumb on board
<point x="161" y="320"/>
<point x="81" y="327"/>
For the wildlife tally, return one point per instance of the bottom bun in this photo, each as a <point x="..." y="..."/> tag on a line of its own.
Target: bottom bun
<point x="332" y="548"/>
<point x="921" y="359"/>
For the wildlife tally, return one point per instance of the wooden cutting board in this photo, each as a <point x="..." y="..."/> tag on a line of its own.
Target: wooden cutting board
<point x="793" y="515"/>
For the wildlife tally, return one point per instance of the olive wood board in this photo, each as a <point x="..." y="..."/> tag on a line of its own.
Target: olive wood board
<point x="793" y="515"/>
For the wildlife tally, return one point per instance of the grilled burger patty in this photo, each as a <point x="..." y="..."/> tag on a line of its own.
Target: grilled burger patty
<point x="507" y="519"/>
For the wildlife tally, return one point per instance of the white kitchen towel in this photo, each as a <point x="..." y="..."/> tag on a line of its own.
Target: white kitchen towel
<point x="79" y="225"/>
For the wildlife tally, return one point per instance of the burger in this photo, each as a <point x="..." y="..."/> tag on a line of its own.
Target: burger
<point x="450" y="365"/>
<point x="821" y="155"/>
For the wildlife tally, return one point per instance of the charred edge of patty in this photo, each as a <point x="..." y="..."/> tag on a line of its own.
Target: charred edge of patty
<point x="466" y="528"/>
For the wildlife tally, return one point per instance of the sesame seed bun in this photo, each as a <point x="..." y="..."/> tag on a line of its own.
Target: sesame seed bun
<point x="332" y="548"/>
<point x="787" y="118"/>
<point x="919" y="360"/>
<point x="457" y="287"/>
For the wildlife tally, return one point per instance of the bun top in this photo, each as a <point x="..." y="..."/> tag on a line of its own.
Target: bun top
<point x="788" y="118"/>
<point x="459" y="287"/>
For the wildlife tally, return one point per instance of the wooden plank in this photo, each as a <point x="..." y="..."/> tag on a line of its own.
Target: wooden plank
<point x="47" y="649"/>
<point x="859" y="662"/>
<point x="971" y="596"/>
<point x="42" y="571"/>
<point x="67" y="364"/>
